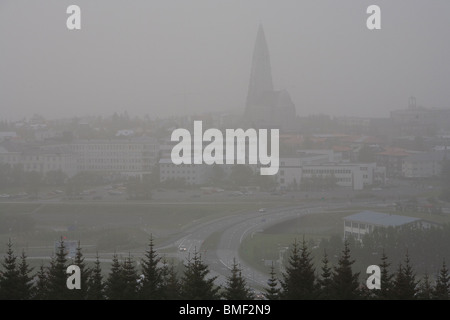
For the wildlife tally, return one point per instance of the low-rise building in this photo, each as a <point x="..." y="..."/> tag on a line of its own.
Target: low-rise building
<point x="192" y="174"/>
<point x="359" y="224"/>
<point x="423" y="165"/>
<point x="119" y="156"/>
<point x="134" y="156"/>
<point x="392" y="160"/>
<point x="354" y="175"/>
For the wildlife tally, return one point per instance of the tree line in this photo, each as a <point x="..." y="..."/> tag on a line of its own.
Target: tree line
<point x="426" y="246"/>
<point x="157" y="279"/>
<point x="303" y="281"/>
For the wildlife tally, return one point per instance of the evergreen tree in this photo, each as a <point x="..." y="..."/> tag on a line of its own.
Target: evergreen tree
<point x="24" y="283"/>
<point x="10" y="276"/>
<point x="171" y="287"/>
<point x="405" y="282"/>
<point x="386" y="279"/>
<point x="324" y="282"/>
<point x="425" y="291"/>
<point x="272" y="290"/>
<point x="344" y="281"/>
<point x="130" y="279"/>
<point x="299" y="279"/>
<point x="81" y="294"/>
<point x="152" y="279"/>
<point x="57" y="276"/>
<point x="196" y="285"/>
<point x="115" y="283"/>
<point x="96" y="287"/>
<point x="236" y="287"/>
<point x="291" y="282"/>
<point x="40" y="289"/>
<point x="442" y="289"/>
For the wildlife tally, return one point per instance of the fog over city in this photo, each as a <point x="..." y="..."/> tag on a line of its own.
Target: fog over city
<point x="164" y="58"/>
<point x="224" y="150"/>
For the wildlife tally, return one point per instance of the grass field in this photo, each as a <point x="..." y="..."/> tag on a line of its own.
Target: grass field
<point x="270" y="244"/>
<point x="103" y="227"/>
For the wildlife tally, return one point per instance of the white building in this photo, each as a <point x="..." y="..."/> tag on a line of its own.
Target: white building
<point x="357" y="225"/>
<point x="355" y="175"/>
<point x="41" y="159"/>
<point x="134" y="156"/>
<point x="310" y="164"/>
<point x="127" y="156"/>
<point x="290" y="170"/>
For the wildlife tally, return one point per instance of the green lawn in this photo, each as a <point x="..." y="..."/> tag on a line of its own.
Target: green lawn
<point x="104" y="227"/>
<point x="269" y="244"/>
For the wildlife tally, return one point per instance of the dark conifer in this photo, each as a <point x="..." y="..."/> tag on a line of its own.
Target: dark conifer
<point x="196" y="282"/>
<point x="344" y="282"/>
<point x="130" y="278"/>
<point x="115" y="285"/>
<point x="9" y="276"/>
<point x="325" y="281"/>
<point x="291" y="282"/>
<point x="236" y="287"/>
<point x="272" y="291"/>
<point x="96" y="287"/>
<point x="442" y="289"/>
<point x="299" y="279"/>
<point x="425" y="290"/>
<point x="386" y="279"/>
<point x="405" y="284"/>
<point x="40" y="288"/>
<point x="171" y="287"/>
<point x="24" y="284"/>
<point x="57" y="276"/>
<point x="152" y="280"/>
<point x="81" y="294"/>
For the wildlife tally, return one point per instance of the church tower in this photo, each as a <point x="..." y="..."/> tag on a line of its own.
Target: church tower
<point x="261" y="73"/>
<point x="265" y="107"/>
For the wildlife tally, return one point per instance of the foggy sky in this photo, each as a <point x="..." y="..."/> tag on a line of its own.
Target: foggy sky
<point x="169" y="57"/>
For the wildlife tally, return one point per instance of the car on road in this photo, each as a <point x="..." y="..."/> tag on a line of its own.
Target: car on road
<point x="182" y="249"/>
<point x="262" y="210"/>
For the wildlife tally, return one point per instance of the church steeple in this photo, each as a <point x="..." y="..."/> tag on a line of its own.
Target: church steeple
<point x="261" y="74"/>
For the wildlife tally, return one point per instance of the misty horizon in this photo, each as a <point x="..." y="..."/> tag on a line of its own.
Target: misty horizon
<point x="183" y="58"/>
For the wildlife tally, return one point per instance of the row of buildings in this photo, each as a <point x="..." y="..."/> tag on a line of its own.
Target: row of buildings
<point x="135" y="156"/>
<point x="293" y="170"/>
<point x="139" y="155"/>
<point x="400" y="163"/>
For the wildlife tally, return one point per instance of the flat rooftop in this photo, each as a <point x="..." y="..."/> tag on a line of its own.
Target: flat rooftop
<point x="381" y="219"/>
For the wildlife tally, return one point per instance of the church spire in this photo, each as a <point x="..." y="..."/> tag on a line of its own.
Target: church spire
<point x="261" y="74"/>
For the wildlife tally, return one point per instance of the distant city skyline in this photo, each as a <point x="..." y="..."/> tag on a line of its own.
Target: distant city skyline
<point x="189" y="57"/>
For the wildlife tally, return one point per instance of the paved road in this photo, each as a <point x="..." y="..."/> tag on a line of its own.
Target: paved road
<point x="234" y="229"/>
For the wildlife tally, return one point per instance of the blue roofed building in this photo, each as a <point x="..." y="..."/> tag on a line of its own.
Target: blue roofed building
<point x="359" y="224"/>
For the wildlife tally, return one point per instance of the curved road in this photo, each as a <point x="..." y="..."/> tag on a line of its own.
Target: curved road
<point x="234" y="229"/>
